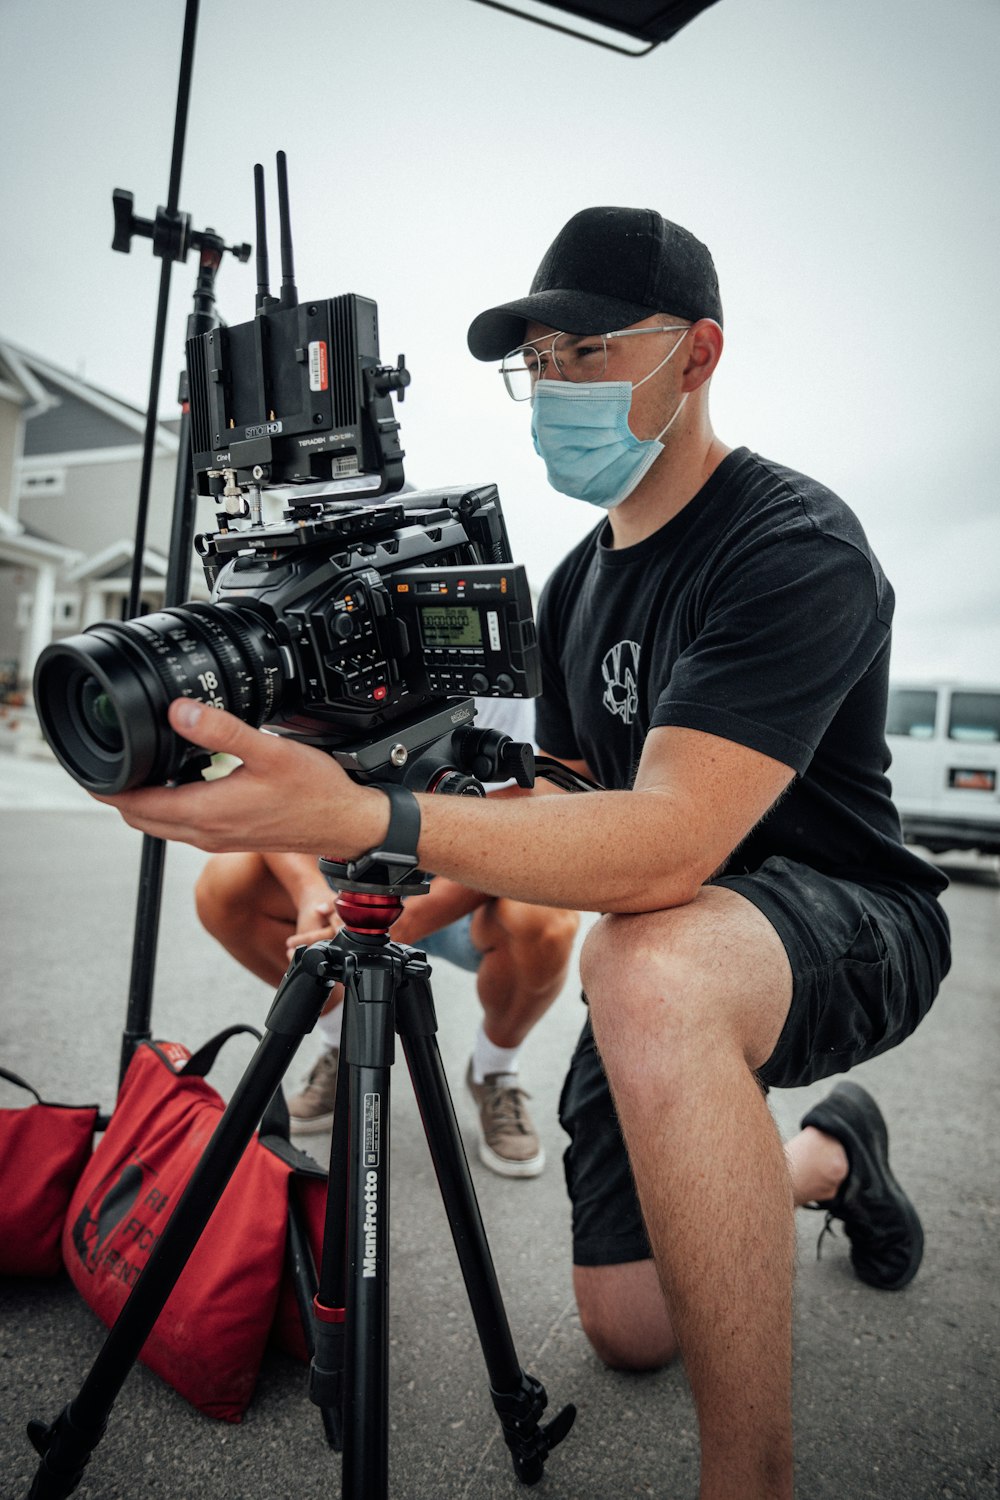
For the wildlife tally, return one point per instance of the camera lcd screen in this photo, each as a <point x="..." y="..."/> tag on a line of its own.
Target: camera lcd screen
<point x="451" y="627"/>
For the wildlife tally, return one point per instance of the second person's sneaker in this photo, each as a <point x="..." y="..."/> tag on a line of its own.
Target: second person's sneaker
<point x="508" y="1141"/>
<point x="311" y="1110"/>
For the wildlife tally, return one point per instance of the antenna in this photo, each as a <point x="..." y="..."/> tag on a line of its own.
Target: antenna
<point x="289" y="291"/>
<point x="263" y="290"/>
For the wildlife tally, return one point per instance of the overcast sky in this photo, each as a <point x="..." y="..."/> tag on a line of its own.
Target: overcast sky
<point x="840" y="158"/>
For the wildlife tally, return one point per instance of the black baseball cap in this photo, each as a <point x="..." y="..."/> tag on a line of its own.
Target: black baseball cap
<point x="605" y="269"/>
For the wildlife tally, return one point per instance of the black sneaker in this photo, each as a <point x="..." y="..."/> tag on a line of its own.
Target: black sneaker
<point x="887" y="1241"/>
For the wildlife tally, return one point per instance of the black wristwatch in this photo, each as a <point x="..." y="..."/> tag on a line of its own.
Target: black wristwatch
<point x="398" y="850"/>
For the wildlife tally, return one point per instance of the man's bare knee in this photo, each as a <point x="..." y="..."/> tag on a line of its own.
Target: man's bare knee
<point x="624" y="1316"/>
<point x="210" y="893"/>
<point x="628" y="954"/>
<point x="522" y="922"/>
<point x="646" y="991"/>
<point x="707" y="977"/>
<point x="537" y="939"/>
<point x="227" y="890"/>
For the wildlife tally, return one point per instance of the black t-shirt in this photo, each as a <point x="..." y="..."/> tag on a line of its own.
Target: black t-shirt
<point x="760" y="614"/>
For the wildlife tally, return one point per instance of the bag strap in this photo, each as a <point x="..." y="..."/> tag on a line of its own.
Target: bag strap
<point x="275" y="1136"/>
<point x="202" y="1061"/>
<point x="275" y="1123"/>
<point x="22" y="1083"/>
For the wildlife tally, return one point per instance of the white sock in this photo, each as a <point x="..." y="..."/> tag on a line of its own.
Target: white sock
<point x="328" y="1027"/>
<point x="489" y="1058"/>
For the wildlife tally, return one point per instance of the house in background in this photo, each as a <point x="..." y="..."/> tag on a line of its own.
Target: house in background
<point x="70" y="461"/>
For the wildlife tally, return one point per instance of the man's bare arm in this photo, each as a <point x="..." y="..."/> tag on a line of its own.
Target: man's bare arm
<point x="696" y="796"/>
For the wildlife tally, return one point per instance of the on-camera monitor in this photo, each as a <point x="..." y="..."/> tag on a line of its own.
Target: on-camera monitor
<point x="451" y="627"/>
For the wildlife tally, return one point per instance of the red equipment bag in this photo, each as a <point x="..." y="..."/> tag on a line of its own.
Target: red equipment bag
<point x="43" y="1149"/>
<point x="209" y="1339"/>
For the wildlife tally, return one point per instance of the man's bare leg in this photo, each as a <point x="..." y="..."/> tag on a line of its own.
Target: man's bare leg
<point x="818" y="1165"/>
<point x="622" y="1309"/>
<point x="526" y="952"/>
<point x="624" y="1315"/>
<point x="248" y="911"/>
<point x="685" y="1004"/>
<point x="526" y="949"/>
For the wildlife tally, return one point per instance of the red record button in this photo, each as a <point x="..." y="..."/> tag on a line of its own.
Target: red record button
<point x="380" y="693"/>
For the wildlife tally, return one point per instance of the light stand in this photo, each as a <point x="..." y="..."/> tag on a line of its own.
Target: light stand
<point x="172" y="238"/>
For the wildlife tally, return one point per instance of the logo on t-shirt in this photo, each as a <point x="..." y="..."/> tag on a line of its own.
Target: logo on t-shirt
<point x="621" y="676"/>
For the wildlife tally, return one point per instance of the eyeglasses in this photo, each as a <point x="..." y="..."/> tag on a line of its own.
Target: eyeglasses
<point x="575" y="356"/>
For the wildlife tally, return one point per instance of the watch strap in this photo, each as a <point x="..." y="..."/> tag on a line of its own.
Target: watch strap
<point x="398" y="849"/>
<point x="403" y="833"/>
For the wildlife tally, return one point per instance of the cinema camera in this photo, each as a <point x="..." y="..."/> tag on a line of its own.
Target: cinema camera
<point x="350" y="625"/>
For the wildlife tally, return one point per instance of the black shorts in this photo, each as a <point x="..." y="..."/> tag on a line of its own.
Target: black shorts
<point x="866" y="962"/>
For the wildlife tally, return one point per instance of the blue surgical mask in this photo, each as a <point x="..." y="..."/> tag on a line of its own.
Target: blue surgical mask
<point x="581" y="431"/>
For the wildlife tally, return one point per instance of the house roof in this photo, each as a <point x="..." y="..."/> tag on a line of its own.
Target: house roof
<point x="68" y="415"/>
<point x="19" y="384"/>
<point x="116" y="562"/>
<point x="23" y="546"/>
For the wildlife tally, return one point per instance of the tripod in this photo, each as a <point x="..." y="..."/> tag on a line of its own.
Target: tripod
<point x="386" y="990"/>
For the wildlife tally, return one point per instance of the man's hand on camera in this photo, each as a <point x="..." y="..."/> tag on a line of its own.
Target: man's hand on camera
<point x="284" y="796"/>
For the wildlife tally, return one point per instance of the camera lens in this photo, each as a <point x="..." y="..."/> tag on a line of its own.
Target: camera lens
<point x="98" y="714"/>
<point x="102" y="696"/>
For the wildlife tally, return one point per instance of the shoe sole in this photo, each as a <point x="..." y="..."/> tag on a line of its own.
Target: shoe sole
<point x="861" y="1102"/>
<point x="504" y="1167"/>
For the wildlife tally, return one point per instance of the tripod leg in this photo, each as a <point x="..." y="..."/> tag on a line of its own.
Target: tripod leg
<point x="326" y="1368"/>
<point x="66" y="1445"/>
<point x="302" y="1269"/>
<point x="369" y="1016"/>
<point x="518" y="1397"/>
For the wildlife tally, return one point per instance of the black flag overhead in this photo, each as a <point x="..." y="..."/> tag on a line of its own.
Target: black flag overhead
<point x="648" y="21"/>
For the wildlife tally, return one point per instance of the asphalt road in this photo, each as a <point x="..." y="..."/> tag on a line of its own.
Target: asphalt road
<point x="895" y="1394"/>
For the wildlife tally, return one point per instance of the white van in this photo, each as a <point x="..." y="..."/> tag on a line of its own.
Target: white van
<point x="945" y="744"/>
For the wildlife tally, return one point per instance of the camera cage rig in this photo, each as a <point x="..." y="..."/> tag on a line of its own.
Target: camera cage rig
<point x="298" y="398"/>
<point x="361" y="607"/>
